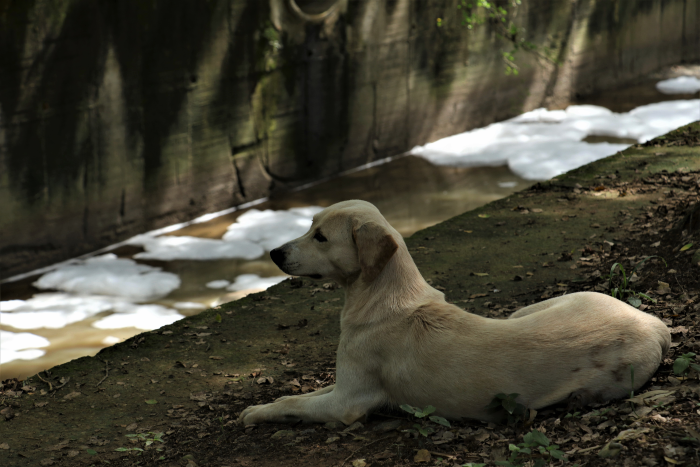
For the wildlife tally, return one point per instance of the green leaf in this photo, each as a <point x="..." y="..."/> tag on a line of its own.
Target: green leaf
<point x="557" y="454"/>
<point x="634" y="301"/>
<point x="510" y="405"/>
<point x="92" y="452"/>
<point x="687" y="247"/>
<point x="495" y="404"/>
<point x="484" y="216"/>
<point x="680" y="366"/>
<point x="408" y="408"/>
<point x="536" y="437"/>
<point x="151" y="401"/>
<point x="647" y="297"/>
<point x="217" y="318"/>
<point x="695" y="367"/>
<point x="440" y="421"/>
<point x="429" y="409"/>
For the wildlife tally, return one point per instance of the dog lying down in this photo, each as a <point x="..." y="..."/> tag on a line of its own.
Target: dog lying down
<point x="401" y="343"/>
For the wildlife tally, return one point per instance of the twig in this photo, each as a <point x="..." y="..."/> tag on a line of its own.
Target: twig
<point x="106" y="362"/>
<point x="362" y="447"/>
<point x="64" y="383"/>
<point x="50" y="387"/>
<point x="435" y="453"/>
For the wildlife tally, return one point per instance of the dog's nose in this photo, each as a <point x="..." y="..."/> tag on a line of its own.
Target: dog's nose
<point x="277" y="256"/>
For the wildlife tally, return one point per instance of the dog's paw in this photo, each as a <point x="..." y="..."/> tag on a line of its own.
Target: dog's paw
<point x="283" y="398"/>
<point x="252" y="415"/>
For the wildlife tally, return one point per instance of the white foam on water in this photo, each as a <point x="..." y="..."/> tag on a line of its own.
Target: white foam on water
<point x="269" y="228"/>
<point x="541" y="144"/>
<point x="111" y="340"/>
<point x="169" y="248"/>
<point x="253" y="233"/>
<point x="144" y="317"/>
<point x="189" y="306"/>
<point x="680" y="85"/>
<point x="111" y="276"/>
<point x="52" y="310"/>
<point x="20" y="346"/>
<point x="254" y="282"/>
<point x="57" y="310"/>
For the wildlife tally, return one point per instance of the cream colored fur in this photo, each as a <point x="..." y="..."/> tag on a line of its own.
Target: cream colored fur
<point x="401" y="343"/>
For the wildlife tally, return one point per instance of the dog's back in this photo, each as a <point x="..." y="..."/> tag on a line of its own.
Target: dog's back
<point x="586" y="346"/>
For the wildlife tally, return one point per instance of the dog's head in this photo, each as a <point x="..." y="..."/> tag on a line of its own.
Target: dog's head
<point x="347" y="240"/>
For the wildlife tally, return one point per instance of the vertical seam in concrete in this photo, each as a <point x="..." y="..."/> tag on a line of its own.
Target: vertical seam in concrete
<point x="407" y="120"/>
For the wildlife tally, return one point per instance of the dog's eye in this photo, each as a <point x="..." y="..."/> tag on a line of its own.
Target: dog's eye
<point x="319" y="237"/>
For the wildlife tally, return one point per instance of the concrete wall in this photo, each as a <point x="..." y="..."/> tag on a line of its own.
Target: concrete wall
<point x="120" y="117"/>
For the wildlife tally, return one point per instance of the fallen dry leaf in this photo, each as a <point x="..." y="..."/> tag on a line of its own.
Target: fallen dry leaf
<point x="422" y="456"/>
<point x="384" y="455"/>
<point x="479" y="295"/>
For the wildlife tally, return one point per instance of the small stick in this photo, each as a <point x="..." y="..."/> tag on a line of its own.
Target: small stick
<point x="106" y="362"/>
<point x="449" y="456"/>
<point x="362" y="447"/>
<point x="50" y="387"/>
<point x="64" y="383"/>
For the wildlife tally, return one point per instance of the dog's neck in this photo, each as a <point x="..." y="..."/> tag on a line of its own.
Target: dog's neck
<point x="399" y="289"/>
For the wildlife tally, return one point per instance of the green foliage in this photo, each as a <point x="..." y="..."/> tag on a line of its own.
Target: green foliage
<point x="684" y="363"/>
<point x="620" y="285"/>
<point x="128" y="449"/>
<point x="423" y="428"/>
<point x="146" y="438"/>
<point x="535" y="450"/>
<point x="513" y="411"/>
<point x="477" y="12"/>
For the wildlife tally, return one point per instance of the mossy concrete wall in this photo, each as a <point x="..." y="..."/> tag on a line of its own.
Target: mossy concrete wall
<point x="119" y="117"/>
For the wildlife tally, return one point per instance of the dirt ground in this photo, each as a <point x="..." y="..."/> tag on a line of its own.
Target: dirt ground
<point x="171" y="397"/>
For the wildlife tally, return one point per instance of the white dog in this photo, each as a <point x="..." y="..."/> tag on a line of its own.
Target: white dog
<point x="401" y="343"/>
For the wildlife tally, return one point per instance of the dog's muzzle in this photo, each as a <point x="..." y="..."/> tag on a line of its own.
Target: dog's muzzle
<point x="278" y="256"/>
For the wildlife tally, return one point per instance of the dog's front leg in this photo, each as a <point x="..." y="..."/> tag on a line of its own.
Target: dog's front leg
<point x="334" y="405"/>
<point x="320" y="392"/>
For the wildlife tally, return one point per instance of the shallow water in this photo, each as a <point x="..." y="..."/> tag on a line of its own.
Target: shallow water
<point x="410" y="191"/>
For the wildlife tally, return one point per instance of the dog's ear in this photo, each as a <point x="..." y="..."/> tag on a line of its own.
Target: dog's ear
<point x="375" y="247"/>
